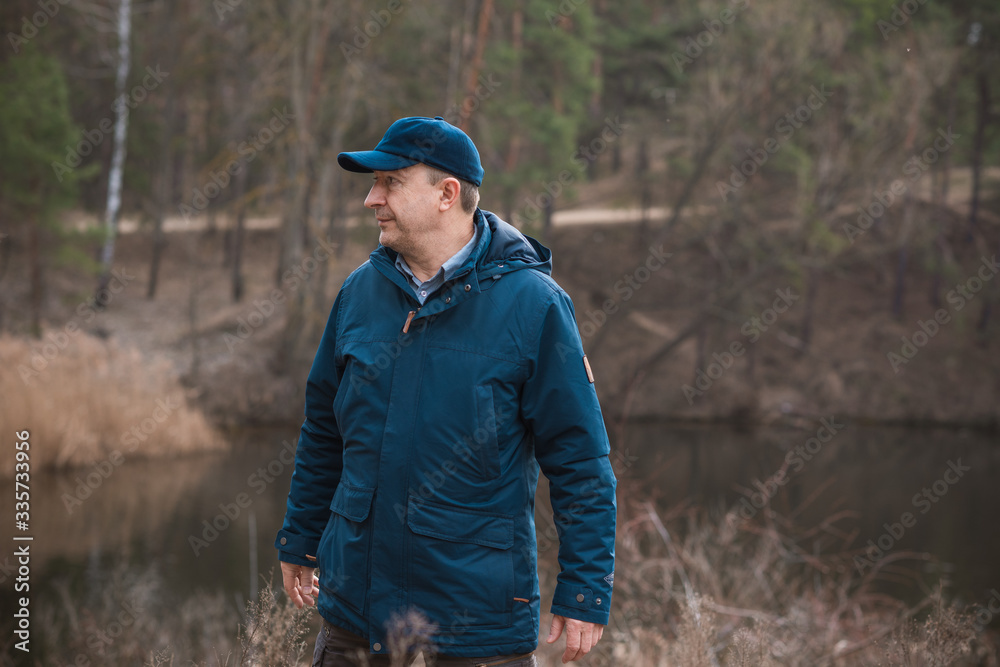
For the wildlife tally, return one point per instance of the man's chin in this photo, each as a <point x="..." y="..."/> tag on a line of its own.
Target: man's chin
<point x="386" y="240"/>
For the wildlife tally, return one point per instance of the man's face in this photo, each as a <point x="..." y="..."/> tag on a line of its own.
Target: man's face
<point x="406" y="208"/>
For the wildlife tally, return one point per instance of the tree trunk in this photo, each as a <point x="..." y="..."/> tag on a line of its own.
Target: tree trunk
<point x="307" y="92"/>
<point x="701" y="162"/>
<point x="114" y="199"/>
<point x="36" y="278"/>
<point x="242" y="53"/>
<point x="645" y="190"/>
<point x="978" y="145"/>
<point x="482" y="34"/>
<point x="902" y="258"/>
<point x="165" y="191"/>
<point x="810" y="308"/>
<point x="193" y="289"/>
<point x="941" y="252"/>
<point x="238" y="233"/>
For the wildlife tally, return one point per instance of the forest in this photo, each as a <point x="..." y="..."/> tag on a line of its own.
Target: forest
<point x="844" y="150"/>
<point x="768" y="213"/>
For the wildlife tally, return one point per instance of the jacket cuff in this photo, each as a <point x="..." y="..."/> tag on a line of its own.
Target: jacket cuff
<point x="581" y="603"/>
<point x="294" y="549"/>
<point x="286" y="557"/>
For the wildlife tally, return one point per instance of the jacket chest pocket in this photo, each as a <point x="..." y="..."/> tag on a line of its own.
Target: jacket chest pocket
<point x="461" y="565"/>
<point x="343" y="550"/>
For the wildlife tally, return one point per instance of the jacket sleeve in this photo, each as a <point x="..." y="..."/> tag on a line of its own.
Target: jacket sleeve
<point x="560" y="406"/>
<point x="318" y="456"/>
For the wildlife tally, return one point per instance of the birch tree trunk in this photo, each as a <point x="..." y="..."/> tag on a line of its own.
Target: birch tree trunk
<point x="114" y="200"/>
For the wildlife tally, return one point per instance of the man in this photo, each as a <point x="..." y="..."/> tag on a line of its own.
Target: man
<point x="451" y="371"/>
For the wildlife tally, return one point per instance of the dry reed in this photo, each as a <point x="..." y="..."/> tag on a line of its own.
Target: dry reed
<point x="93" y="397"/>
<point x="796" y="609"/>
<point x="695" y="590"/>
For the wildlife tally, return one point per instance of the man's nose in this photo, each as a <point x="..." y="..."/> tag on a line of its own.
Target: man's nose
<point x="375" y="197"/>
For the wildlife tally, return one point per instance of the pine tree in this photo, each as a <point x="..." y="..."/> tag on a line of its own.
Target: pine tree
<point x="37" y="178"/>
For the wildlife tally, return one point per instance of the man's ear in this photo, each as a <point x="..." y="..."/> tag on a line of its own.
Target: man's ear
<point x="451" y="191"/>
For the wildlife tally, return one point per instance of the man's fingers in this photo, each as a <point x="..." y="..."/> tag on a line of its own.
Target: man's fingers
<point x="573" y="641"/>
<point x="306" y="581"/>
<point x="555" y="629"/>
<point x="300" y="583"/>
<point x="290" y="580"/>
<point x="309" y="589"/>
<point x="581" y="637"/>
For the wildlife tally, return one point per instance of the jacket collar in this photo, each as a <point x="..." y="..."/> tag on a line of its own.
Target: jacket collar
<point x="501" y="249"/>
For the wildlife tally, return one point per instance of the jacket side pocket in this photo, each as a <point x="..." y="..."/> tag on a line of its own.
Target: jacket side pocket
<point x="461" y="565"/>
<point x="343" y="556"/>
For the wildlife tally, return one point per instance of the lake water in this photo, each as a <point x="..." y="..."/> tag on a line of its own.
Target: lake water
<point x="174" y="513"/>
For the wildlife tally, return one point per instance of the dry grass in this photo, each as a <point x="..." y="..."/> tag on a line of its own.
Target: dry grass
<point x="91" y="398"/>
<point x="131" y="620"/>
<point x="695" y="590"/>
<point x="795" y="609"/>
<point x="273" y="633"/>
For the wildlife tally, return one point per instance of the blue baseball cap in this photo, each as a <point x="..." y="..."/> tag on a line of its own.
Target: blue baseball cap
<point x="432" y="141"/>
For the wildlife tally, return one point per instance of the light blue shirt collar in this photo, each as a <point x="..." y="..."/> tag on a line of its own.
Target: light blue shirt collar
<point x="424" y="289"/>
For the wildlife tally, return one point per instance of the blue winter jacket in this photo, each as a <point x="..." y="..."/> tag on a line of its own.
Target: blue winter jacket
<point x="425" y="429"/>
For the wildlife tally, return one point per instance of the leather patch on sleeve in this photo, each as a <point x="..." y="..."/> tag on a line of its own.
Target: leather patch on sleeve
<point x="586" y="366"/>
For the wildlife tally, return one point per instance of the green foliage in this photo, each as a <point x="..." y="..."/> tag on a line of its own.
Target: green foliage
<point x="547" y="82"/>
<point x="35" y="132"/>
<point x="73" y="252"/>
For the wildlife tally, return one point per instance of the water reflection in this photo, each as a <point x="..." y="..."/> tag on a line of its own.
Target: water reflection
<point x="870" y="475"/>
<point x="191" y="516"/>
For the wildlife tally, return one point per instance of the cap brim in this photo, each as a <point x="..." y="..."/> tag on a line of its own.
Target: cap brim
<point x="365" y="162"/>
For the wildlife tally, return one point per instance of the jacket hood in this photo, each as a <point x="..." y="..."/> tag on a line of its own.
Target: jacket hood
<point x="506" y="249"/>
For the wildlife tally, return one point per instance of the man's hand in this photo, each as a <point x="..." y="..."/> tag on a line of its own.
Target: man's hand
<point x="301" y="584"/>
<point x="581" y="636"/>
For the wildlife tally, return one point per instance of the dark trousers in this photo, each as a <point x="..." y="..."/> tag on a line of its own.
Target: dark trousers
<point x="336" y="647"/>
